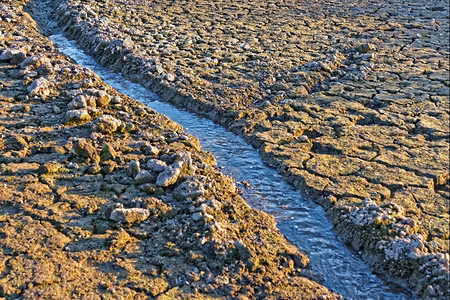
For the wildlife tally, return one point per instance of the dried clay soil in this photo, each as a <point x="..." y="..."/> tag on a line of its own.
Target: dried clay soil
<point x="103" y="198"/>
<point x="348" y="99"/>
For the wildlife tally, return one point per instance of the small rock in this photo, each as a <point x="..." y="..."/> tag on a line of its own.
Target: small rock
<point x="18" y="58"/>
<point x="85" y="149"/>
<point x="151" y="150"/>
<point x="170" y="77"/>
<point x="94" y="169"/>
<point x="73" y="93"/>
<point x="40" y="87"/>
<point x="31" y="74"/>
<point x="56" y="109"/>
<point x="128" y="42"/>
<point x="143" y="177"/>
<point x="76" y="115"/>
<point x="266" y="103"/>
<point x="129" y="127"/>
<point x="87" y="82"/>
<point x="78" y="101"/>
<point x="116" y="100"/>
<point x="303" y="138"/>
<point x="191" y="188"/>
<point x="45" y="68"/>
<point x="158" y="68"/>
<point x="103" y="99"/>
<point x="94" y="112"/>
<point x="8" y="55"/>
<point x="107" y="124"/>
<point x="108" y="167"/>
<point x="148" y="188"/>
<point x="364" y="48"/>
<point x="72" y="165"/>
<point x="170" y="174"/>
<point x="246" y="47"/>
<point x="325" y="67"/>
<point x="410" y="222"/>
<point x="197" y="216"/>
<point x="129" y="215"/>
<point x="108" y="152"/>
<point x="118" y="239"/>
<point x="300" y="260"/>
<point x="156" y="165"/>
<point x="430" y="291"/>
<point x="91" y="101"/>
<point x="51" y="167"/>
<point x="83" y="15"/>
<point x="209" y="218"/>
<point x="34" y="61"/>
<point x="134" y="167"/>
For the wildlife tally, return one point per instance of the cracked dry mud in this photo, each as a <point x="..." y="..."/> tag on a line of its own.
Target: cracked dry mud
<point x="103" y="198"/>
<point x="349" y="100"/>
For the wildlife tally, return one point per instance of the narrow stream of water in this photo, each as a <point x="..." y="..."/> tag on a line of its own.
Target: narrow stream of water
<point x="302" y="221"/>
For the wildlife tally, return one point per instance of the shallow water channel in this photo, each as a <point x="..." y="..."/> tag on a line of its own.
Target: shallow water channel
<point x="302" y="221"/>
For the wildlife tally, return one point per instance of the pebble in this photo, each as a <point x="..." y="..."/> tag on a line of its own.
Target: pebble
<point x="18" y="58"/>
<point x="129" y="215"/>
<point x="134" y="167"/>
<point x="103" y="99"/>
<point x="9" y="54"/>
<point x="169" y="175"/>
<point x="152" y="150"/>
<point x="56" y="109"/>
<point x="190" y="188"/>
<point x="303" y="138"/>
<point x="78" y="101"/>
<point x="76" y="115"/>
<point x="107" y="124"/>
<point x="108" y="152"/>
<point x="33" y="61"/>
<point x="116" y="100"/>
<point x="170" y="77"/>
<point x="156" y="165"/>
<point x="39" y="87"/>
<point x="144" y="176"/>
<point x="84" y="148"/>
<point x="197" y="216"/>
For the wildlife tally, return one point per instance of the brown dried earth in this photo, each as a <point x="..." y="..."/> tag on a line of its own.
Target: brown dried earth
<point x="348" y="99"/>
<point x="103" y="198"/>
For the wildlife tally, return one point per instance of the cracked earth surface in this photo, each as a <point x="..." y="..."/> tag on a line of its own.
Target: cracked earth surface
<point x="103" y="198"/>
<point x="349" y="100"/>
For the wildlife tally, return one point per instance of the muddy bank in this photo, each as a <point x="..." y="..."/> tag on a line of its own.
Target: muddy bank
<point x="103" y="197"/>
<point x="355" y="114"/>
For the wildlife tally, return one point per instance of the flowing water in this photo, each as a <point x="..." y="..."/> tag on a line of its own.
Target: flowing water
<point x="302" y="221"/>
